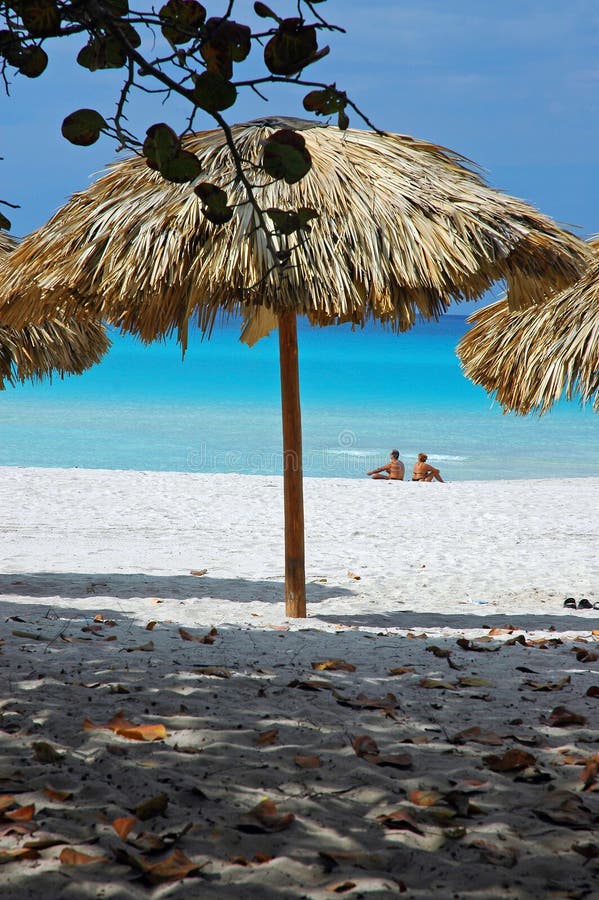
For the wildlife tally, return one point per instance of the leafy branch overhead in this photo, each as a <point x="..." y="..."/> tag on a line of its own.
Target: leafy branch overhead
<point x="181" y="50"/>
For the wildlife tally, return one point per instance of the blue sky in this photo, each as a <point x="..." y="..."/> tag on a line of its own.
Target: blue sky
<point x="513" y="85"/>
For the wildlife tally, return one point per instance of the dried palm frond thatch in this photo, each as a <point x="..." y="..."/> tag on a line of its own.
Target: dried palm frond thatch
<point x="404" y="227"/>
<point x="529" y="359"/>
<point x="55" y="347"/>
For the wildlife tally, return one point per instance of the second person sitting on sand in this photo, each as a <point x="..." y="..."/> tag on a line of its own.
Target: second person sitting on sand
<point x="423" y="471"/>
<point x="393" y="471"/>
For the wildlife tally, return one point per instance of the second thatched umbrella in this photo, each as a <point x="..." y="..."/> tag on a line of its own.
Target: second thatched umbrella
<point x="404" y="227"/>
<point x="53" y="347"/>
<point x="531" y="358"/>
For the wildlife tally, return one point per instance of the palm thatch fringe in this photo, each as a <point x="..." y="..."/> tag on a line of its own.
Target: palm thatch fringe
<point x="55" y="347"/>
<point x="405" y="227"/>
<point x="529" y="359"/>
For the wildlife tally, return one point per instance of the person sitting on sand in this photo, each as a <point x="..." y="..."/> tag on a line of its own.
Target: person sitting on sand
<point x="423" y="471"/>
<point x="393" y="471"/>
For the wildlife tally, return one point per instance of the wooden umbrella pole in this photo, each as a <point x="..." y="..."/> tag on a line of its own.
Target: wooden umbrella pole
<point x="295" y="575"/>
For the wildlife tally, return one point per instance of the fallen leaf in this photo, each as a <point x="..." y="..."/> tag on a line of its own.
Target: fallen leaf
<point x="265" y="819"/>
<point x="593" y="691"/>
<point x="72" y="857"/>
<point x="6" y="801"/>
<point x="334" y="665"/>
<point x="548" y="685"/>
<point x="129" y="730"/>
<point x="214" y="671"/>
<point x="562" y="718"/>
<point x="354" y="576"/>
<point x="478" y="736"/>
<point x="143" y="732"/>
<point x="307" y="762"/>
<point x="311" y="685"/>
<point x="341" y="887"/>
<point x="401" y="670"/>
<point x="21" y="814"/>
<point x="474" y="681"/>
<point x="7" y="856"/>
<point x="267" y="737"/>
<point x="441" y="653"/>
<point x="198" y="572"/>
<point x="152" y="807"/>
<point x="363" y="702"/>
<point x="364" y="745"/>
<point x="123" y="826"/>
<point x="45" y="753"/>
<point x="565" y="808"/>
<point x="424" y="798"/>
<point x="400" y="820"/>
<point x="510" y="761"/>
<point x="151" y="625"/>
<point x="589" y="851"/>
<point x="433" y="683"/>
<point x="145" y="648"/>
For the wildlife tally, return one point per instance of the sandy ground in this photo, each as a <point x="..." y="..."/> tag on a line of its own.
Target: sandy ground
<point x="430" y="730"/>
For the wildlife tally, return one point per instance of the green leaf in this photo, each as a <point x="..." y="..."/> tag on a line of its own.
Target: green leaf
<point x="103" y="53"/>
<point x="183" y="167"/>
<point x="291" y="48"/>
<point x="288" y="221"/>
<point x="83" y="127"/>
<point x="265" y="12"/>
<point x="226" y="42"/>
<point x="325" y="102"/>
<point x="41" y="18"/>
<point x="33" y="61"/>
<point x="214" y="203"/>
<point x="286" y="156"/>
<point x="129" y="33"/>
<point x="182" y="20"/>
<point x="117" y="7"/>
<point x="212" y="92"/>
<point x="160" y="146"/>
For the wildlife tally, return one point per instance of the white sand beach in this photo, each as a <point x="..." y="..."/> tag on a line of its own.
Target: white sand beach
<point x="446" y="745"/>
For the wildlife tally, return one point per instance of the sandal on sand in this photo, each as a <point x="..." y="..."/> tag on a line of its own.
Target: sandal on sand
<point x="570" y="602"/>
<point x="584" y="604"/>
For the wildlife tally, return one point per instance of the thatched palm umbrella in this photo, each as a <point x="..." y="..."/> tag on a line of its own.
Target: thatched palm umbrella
<point x="404" y="227"/>
<point x="531" y="358"/>
<point x="55" y="346"/>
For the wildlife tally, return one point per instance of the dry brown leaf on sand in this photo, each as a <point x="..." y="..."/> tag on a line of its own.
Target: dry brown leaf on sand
<point x="510" y="761"/>
<point x="354" y="576"/>
<point x="333" y="665"/>
<point x="307" y="762"/>
<point x="124" y="825"/>
<point x="478" y="736"/>
<point x="124" y="728"/>
<point x="145" y="648"/>
<point x="21" y="814"/>
<point x="267" y="737"/>
<point x="564" y="718"/>
<point x="7" y="856"/>
<point x="265" y="819"/>
<point x="152" y="807"/>
<point x="72" y="857"/>
<point x="400" y="819"/>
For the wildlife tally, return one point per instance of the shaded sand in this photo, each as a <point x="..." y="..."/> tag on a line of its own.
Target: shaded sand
<point x="383" y="784"/>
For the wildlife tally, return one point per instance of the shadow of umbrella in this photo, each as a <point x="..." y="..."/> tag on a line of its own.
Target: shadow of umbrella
<point x="530" y="358"/>
<point x="404" y="227"/>
<point x="52" y="347"/>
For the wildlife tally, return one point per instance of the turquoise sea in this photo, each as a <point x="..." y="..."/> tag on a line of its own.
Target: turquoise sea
<point x="364" y="392"/>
